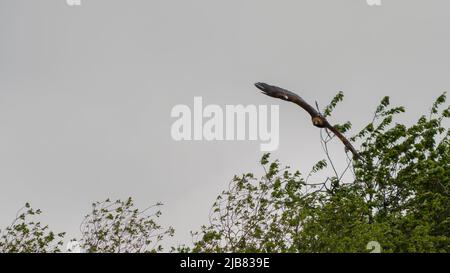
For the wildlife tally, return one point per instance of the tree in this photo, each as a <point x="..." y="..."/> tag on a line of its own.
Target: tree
<point x="398" y="194"/>
<point x="27" y="235"/>
<point x="112" y="226"/>
<point x="117" y="226"/>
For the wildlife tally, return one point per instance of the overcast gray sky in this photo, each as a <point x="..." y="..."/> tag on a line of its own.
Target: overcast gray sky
<point x="86" y="92"/>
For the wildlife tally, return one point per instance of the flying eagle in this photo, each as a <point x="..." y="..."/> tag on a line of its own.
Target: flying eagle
<point x="317" y="119"/>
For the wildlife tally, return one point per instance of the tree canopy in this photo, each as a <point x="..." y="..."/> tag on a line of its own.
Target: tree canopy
<point x="397" y="195"/>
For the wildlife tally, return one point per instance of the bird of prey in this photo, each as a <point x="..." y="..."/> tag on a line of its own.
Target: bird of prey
<point x="317" y="119"/>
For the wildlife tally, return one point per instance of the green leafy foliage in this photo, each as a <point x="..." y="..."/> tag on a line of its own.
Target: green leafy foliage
<point x="117" y="226"/>
<point x="28" y="235"/>
<point x="398" y="195"/>
<point x="330" y="107"/>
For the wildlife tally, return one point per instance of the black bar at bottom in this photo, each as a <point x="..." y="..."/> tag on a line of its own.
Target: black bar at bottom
<point x="181" y="262"/>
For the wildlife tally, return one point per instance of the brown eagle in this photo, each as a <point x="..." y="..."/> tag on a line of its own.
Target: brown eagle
<point x="317" y="119"/>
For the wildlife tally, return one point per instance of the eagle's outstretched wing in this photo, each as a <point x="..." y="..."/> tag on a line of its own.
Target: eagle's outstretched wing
<point x="344" y="140"/>
<point x="317" y="118"/>
<point x="280" y="93"/>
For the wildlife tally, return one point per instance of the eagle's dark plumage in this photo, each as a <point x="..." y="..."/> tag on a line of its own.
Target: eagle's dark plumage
<point x="317" y="119"/>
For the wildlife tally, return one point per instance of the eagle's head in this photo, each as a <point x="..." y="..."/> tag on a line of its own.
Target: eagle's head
<point x="318" y="121"/>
